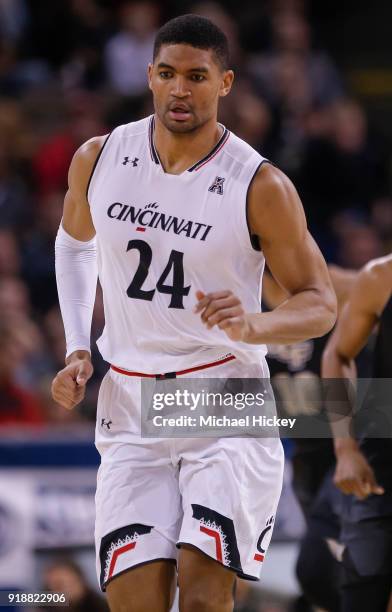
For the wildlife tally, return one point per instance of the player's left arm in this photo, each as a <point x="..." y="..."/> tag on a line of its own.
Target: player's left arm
<point x="276" y="216"/>
<point x="368" y="296"/>
<point x="343" y="280"/>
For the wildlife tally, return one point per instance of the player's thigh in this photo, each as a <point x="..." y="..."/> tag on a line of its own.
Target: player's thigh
<point x="147" y="587"/>
<point x="204" y="584"/>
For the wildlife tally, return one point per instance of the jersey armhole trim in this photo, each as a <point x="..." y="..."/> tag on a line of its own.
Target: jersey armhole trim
<point x="254" y="240"/>
<point x="95" y="165"/>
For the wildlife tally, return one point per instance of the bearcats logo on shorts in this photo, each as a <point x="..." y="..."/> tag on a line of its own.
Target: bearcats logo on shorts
<point x="221" y="529"/>
<point x="117" y="543"/>
<point x="259" y="556"/>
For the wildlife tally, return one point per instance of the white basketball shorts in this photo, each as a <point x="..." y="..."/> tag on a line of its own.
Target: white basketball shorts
<point x="217" y="494"/>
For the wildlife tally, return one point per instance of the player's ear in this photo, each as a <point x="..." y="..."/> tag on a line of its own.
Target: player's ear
<point x="227" y="82"/>
<point x="149" y="74"/>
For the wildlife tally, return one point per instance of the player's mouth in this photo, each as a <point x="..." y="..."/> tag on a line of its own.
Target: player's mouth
<point x="179" y="112"/>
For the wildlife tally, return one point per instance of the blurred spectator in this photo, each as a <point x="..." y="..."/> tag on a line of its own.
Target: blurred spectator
<point x="17" y="406"/>
<point x="17" y="72"/>
<point x="216" y="13"/>
<point x="13" y="18"/>
<point x="53" y="326"/>
<point x="38" y="253"/>
<point x="9" y="254"/>
<point x="128" y="52"/>
<point x="14" y="299"/>
<point x="15" y="311"/>
<point x="47" y="34"/>
<point x="52" y="159"/>
<point x="292" y="47"/>
<point x="90" y="30"/>
<point x="54" y="336"/>
<point x="65" y="576"/>
<point x="16" y="140"/>
<point x="248" y="116"/>
<point x="14" y="201"/>
<point x="381" y="218"/>
<point x="358" y="242"/>
<point x="350" y="156"/>
<point x="295" y="79"/>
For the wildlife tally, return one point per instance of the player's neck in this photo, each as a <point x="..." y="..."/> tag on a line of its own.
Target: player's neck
<point x="178" y="152"/>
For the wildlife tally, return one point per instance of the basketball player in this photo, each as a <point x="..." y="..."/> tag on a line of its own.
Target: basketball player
<point x="312" y="458"/>
<point x="179" y="215"/>
<point x="364" y="468"/>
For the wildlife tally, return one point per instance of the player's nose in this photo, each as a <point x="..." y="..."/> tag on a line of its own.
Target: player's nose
<point x="180" y="88"/>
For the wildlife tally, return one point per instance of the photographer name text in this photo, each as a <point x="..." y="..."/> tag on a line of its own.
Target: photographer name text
<point x="223" y="421"/>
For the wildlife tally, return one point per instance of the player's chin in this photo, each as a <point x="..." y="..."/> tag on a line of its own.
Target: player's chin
<point x="181" y="126"/>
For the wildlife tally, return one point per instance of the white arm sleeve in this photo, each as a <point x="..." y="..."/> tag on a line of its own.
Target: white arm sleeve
<point x="76" y="275"/>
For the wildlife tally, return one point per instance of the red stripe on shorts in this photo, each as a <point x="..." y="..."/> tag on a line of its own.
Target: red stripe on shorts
<point x="216" y="536"/>
<point x="116" y="555"/>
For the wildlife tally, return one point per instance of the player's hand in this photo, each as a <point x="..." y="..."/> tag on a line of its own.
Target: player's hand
<point x="354" y="476"/>
<point x="69" y="386"/>
<point x="224" y="309"/>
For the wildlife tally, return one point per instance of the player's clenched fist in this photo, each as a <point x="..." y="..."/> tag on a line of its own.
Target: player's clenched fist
<point x="69" y="386"/>
<point x="224" y="309"/>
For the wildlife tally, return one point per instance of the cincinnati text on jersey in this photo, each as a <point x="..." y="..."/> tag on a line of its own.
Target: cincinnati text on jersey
<point x="148" y="217"/>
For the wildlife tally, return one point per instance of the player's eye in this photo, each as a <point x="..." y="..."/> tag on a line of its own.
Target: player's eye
<point x="198" y="77"/>
<point x="165" y="74"/>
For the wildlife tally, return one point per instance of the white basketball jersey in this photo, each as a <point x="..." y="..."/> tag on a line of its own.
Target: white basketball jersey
<point x="160" y="238"/>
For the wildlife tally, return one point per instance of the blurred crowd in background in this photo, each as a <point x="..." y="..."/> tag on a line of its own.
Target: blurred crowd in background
<point x="73" y="69"/>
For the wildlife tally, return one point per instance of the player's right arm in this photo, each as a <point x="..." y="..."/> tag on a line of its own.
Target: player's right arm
<point x="76" y="275"/>
<point x="360" y="314"/>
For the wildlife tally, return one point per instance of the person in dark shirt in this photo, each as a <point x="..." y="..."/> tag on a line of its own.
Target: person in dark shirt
<point x="312" y="458"/>
<point x="364" y="462"/>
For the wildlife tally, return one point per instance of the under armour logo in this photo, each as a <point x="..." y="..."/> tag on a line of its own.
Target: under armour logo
<point x="132" y="161"/>
<point x="217" y="185"/>
<point x="105" y="423"/>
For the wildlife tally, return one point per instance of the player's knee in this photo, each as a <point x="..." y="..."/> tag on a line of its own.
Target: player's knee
<point x="138" y="605"/>
<point x="137" y="595"/>
<point x="122" y="606"/>
<point x="200" y="599"/>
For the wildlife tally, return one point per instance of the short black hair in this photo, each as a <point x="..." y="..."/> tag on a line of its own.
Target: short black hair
<point x="195" y="31"/>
